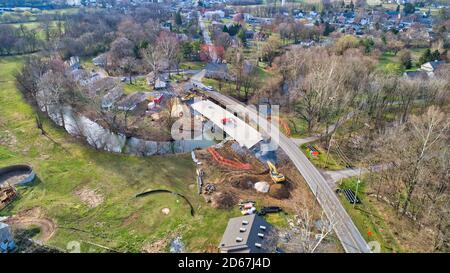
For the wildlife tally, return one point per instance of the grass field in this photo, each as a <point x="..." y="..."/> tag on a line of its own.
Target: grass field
<point x="367" y="219"/>
<point x="120" y="222"/>
<point x="192" y="65"/>
<point x="390" y="58"/>
<point x="37" y="27"/>
<point x="138" y="85"/>
<point x="330" y="162"/>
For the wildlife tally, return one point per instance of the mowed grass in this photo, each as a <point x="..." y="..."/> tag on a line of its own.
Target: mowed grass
<point x="137" y="85"/>
<point x="192" y="65"/>
<point x="37" y="26"/>
<point x="120" y="222"/>
<point x="390" y="58"/>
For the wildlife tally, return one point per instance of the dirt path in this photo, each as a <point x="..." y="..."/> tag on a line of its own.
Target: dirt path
<point x="34" y="217"/>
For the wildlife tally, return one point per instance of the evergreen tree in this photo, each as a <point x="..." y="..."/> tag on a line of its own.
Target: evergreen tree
<point x="425" y="57"/>
<point x="328" y="29"/>
<point x="178" y="19"/>
<point x="241" y="35"/>
<point x="435" y="56"/>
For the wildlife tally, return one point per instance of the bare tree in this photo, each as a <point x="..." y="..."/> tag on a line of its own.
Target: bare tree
<point x="428" y="130"/>
<point x="306" y="232"/>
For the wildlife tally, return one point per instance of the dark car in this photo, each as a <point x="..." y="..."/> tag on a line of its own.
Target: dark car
<point x="271" y="209"/>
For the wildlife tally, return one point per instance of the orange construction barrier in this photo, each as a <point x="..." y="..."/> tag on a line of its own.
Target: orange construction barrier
<point x="230" y="163"/>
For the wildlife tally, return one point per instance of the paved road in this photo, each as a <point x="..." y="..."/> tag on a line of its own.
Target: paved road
<point x="207" y="38"/>
<point x="301" y="141"/>
<point x="351" y="239"/>
<point x="335" y="176"/>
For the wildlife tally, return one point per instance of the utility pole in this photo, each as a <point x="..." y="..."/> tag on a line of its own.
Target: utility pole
<point x="357" y="187"/>
<point x="328" y="150"/>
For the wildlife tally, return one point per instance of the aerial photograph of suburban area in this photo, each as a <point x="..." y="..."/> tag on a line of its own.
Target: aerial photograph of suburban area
<point x="224" y="126"/>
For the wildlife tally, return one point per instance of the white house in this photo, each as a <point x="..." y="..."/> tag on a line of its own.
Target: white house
<point x="431" y="67"/>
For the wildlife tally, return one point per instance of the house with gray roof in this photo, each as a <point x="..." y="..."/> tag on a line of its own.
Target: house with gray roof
<point x="431" y="67"/>
<point x="112" y="96"/>
<point x="130" y="102"/>
<point x="248" y="234"/>
<point x="216" y="71"/>
<point x="416" y="74"/>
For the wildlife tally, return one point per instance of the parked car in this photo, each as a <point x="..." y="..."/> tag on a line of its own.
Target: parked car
<point x="271" y="209"/>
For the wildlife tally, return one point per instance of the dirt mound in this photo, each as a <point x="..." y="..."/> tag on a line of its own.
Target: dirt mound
<point x="242" y="181"/>
<point x="155" y="247"/>
<point x="242" y="184"/>
<point x="90" y="197"/>
<point x="279" y="191"/>
<point x="34" y="217"/>
<point x="223" y="200"/>
<point x="161" y="245"/>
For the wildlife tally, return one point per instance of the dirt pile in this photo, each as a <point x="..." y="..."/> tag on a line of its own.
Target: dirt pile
<point x="279" y="191"/>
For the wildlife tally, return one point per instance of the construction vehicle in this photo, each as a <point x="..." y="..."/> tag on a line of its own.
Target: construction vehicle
<point x="274" y="174"/>
<point x="188" y="96"/>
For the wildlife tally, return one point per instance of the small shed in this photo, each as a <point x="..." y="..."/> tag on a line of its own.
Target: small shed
<point x="160" y="83"/>
<point x="100" y="60"/>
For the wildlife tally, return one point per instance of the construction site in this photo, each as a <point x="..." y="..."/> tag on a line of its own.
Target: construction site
<point x="229" y="174"/>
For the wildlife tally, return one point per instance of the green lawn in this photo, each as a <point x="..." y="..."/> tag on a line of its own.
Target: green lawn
<point x="367" y="219"/>
<point x="390" y="58"/>
<point x="330" y="162"/>
<point x="121" y="222"/>
<point x="138" y="85"/>
<point x="37" y="26"/>
<point x="299" y="127"/>
<point x="192" y="65"/>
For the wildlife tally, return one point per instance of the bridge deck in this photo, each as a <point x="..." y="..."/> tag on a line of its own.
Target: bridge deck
<point x="235" y="127"/>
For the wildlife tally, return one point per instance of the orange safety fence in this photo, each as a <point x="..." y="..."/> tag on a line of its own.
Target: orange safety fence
<point x="230" y="163"/>
<point x="284" y="125"/>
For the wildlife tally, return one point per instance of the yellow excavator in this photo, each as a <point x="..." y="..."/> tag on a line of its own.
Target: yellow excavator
<point x="274" y="174"/>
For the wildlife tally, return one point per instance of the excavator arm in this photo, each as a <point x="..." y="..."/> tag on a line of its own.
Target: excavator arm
<point x="274" y="174"/>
